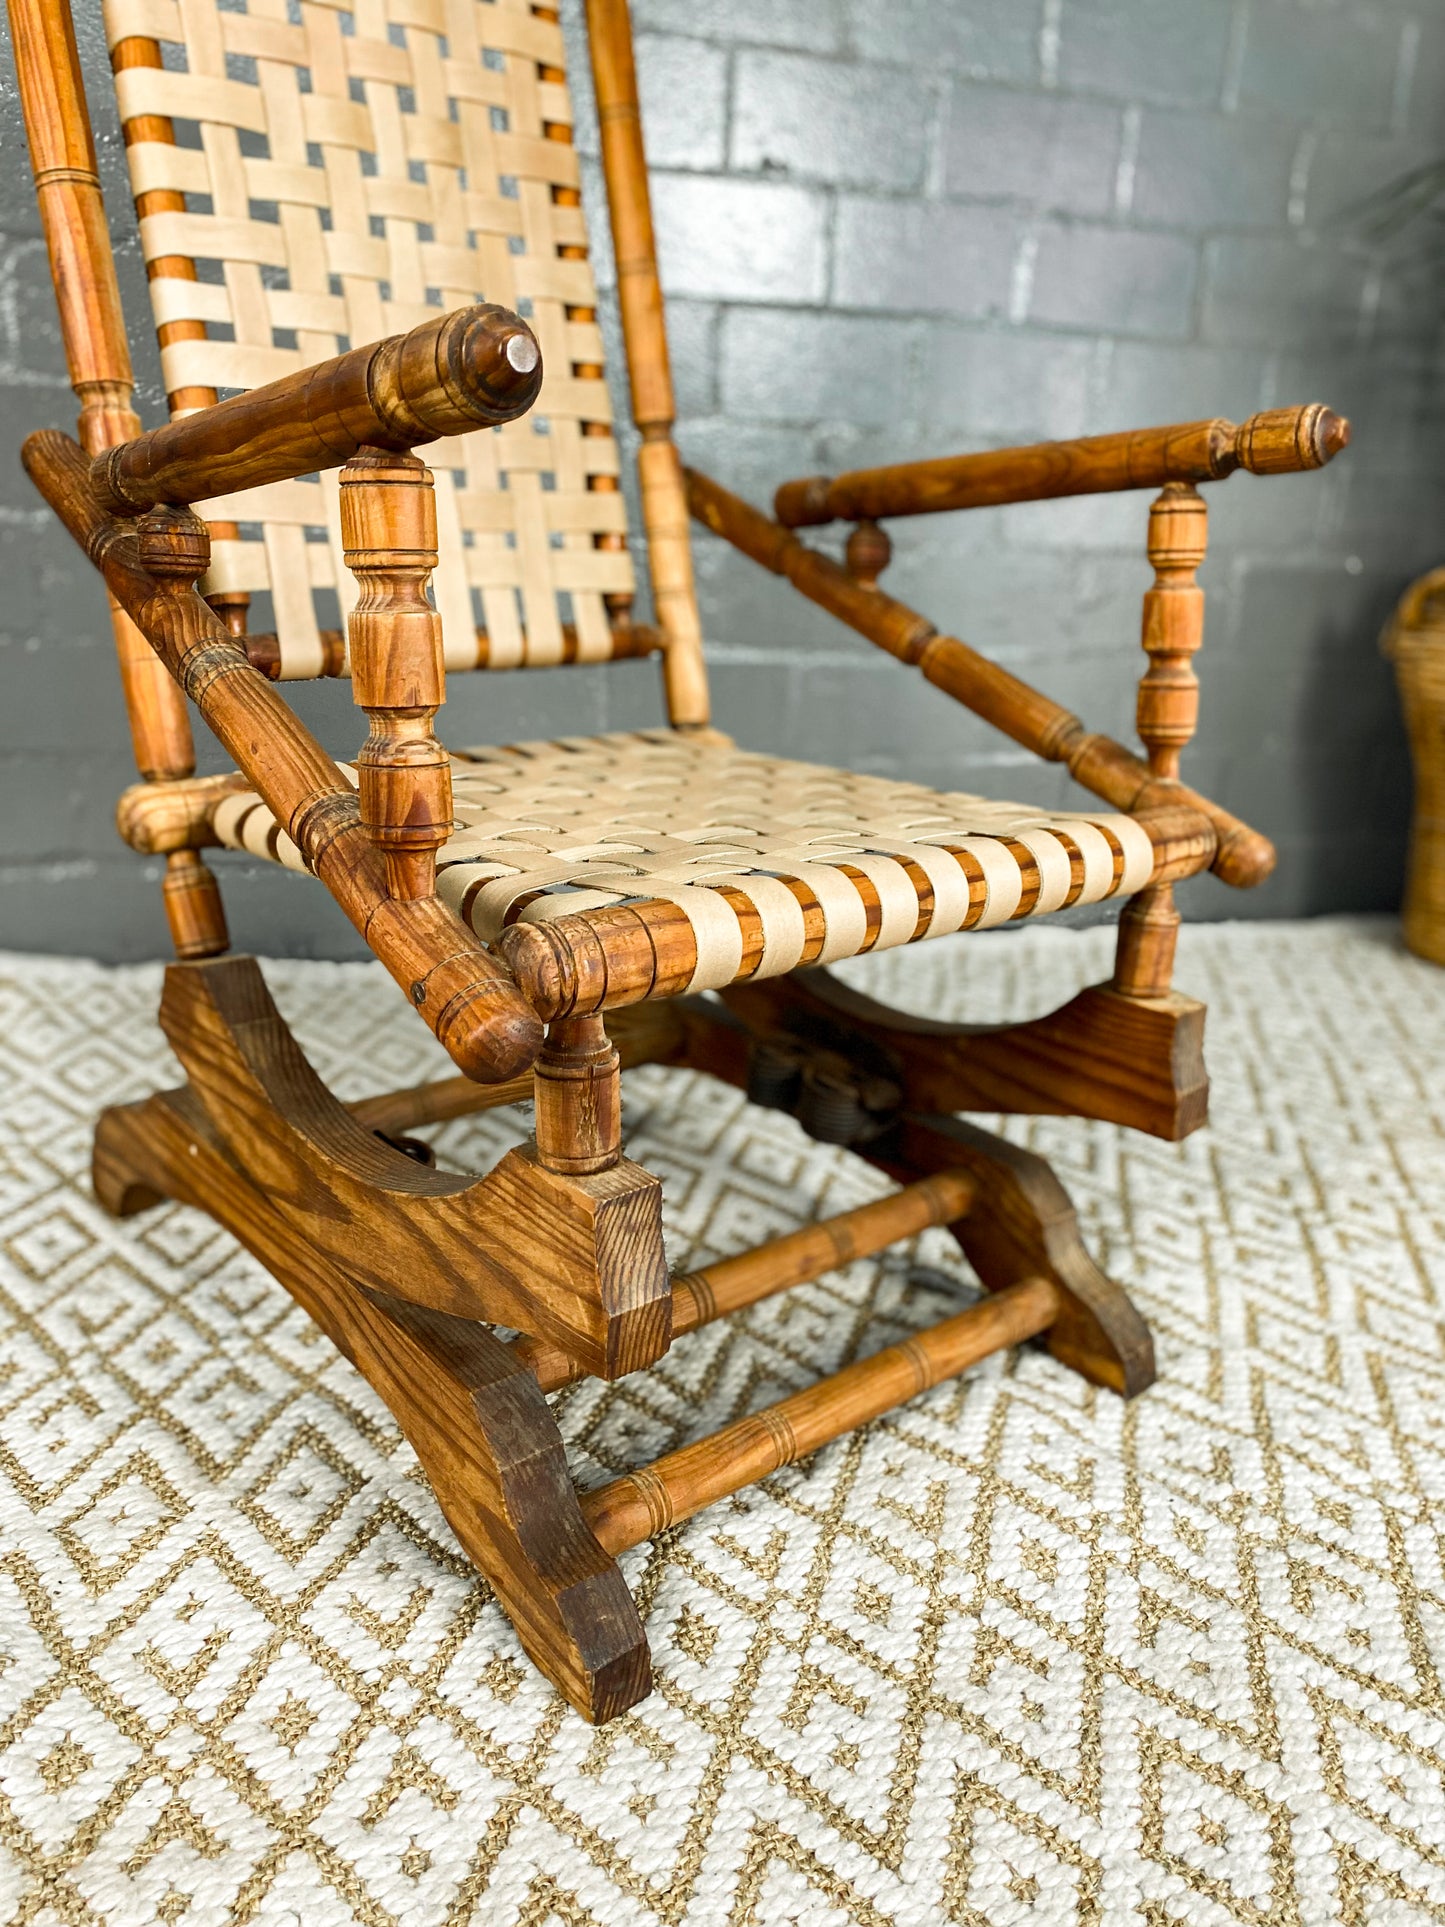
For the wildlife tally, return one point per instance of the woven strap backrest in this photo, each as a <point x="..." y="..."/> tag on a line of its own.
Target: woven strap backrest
<point x="310" y="177"/>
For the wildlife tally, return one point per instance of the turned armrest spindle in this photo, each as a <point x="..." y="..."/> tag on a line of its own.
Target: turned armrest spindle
<point x="1173" y="628"/>
<point x="389" y="535"/>
<point x="1168" y="714"/>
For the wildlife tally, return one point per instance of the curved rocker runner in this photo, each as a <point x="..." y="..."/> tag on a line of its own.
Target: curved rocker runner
<point x="553" y="910"/>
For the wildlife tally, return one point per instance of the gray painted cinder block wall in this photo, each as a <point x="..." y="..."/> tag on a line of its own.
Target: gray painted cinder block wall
<point x="893" y="228"/>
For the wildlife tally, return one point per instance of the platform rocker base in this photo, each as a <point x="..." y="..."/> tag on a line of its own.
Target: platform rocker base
<point x="406" y="1268"/>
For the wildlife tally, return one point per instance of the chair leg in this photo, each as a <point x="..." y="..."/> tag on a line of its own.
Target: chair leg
<point x="404" y="1268"/>
<point x="473" y="1413"/>
<point x="1020" y="1223"/>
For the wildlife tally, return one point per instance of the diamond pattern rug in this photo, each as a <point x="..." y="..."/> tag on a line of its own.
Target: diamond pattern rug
<point x="1016" y="1654"/>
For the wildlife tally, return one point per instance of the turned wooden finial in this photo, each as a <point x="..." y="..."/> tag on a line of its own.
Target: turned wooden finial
<point x="1168" y="713"/>
<point x="869" y="551"/>
<point x="388" y="529"/>
<point x="174" y="544"/>
<point x="1284" y="441"/>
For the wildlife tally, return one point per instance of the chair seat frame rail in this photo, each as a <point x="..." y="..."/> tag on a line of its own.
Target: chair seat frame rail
<point x="411" y="1270"/>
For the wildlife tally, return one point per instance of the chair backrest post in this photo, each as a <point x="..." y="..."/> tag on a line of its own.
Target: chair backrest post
<point x="67" y="187"/>
<point x="233" y="606"/>
<point x="619" y="607"/>
<point x="92" y="326"/>
<point x="639" y="293"/>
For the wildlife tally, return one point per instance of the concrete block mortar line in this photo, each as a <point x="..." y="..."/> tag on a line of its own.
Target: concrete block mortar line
<point x="1101" y="368"/>
<point x="830" y="251"/>
<point x="1371" y="294"/>
<point x="1407" y="58"/>
<point x="1021" y="279"/>
<point x="1049" y="30"/>
<point x="1234" y="56"/>
<point x="1130" y="127"/>
<point x="1299" y="176"/>
<point x="730" y="98"/>
<point x="941" y="95"/>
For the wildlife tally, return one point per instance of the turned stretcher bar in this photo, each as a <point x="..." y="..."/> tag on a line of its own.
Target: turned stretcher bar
<point x="641" y="1504"/>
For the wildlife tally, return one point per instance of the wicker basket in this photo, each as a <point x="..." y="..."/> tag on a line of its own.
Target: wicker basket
<point x="1415" y="642"/>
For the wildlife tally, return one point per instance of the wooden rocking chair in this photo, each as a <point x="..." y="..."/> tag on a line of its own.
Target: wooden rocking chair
<point x="307" y="178"/>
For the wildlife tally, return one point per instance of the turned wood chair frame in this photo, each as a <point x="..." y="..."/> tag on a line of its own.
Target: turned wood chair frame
<point x="408" y="1267"/>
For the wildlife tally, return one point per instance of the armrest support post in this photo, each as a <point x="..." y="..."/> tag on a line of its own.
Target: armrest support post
<point x="1173" y="629"/>
<point x="388" y="532"/>
<point x="466" y="998"/>
<point x="578" y="1089"/>
<point x="1124" y="780"/>
<point x="1168" y="713"/>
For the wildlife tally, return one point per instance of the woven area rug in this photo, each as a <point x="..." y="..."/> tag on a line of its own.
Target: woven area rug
<point x="1016" y="1654"/>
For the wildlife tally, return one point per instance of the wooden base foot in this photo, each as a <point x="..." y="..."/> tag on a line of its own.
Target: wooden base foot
<point x="473" y="1414"/>
<point x="574" y="1259"/>
<point x="404" y="1267"/>
<point x="1022" y="1224"/>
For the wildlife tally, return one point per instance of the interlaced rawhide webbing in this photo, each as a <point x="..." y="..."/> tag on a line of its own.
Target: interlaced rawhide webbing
<point x="546" y="829"/>
<point x="346" y="173"/>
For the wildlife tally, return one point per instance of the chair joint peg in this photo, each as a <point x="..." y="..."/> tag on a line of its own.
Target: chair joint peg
<point x="868" y="552"/>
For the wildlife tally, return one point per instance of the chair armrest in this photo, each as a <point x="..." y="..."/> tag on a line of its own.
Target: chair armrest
<point x="1279" y="441"/>
<point x="474" y="368"/>
<point x="1242" y="856"/>
<point x="464" y="995"/>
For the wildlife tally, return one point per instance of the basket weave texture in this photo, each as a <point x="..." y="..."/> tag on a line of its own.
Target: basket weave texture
<point x="1415" y="642"/>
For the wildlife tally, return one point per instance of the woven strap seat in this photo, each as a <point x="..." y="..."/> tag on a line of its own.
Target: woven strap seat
<point x="773" y="863"/>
